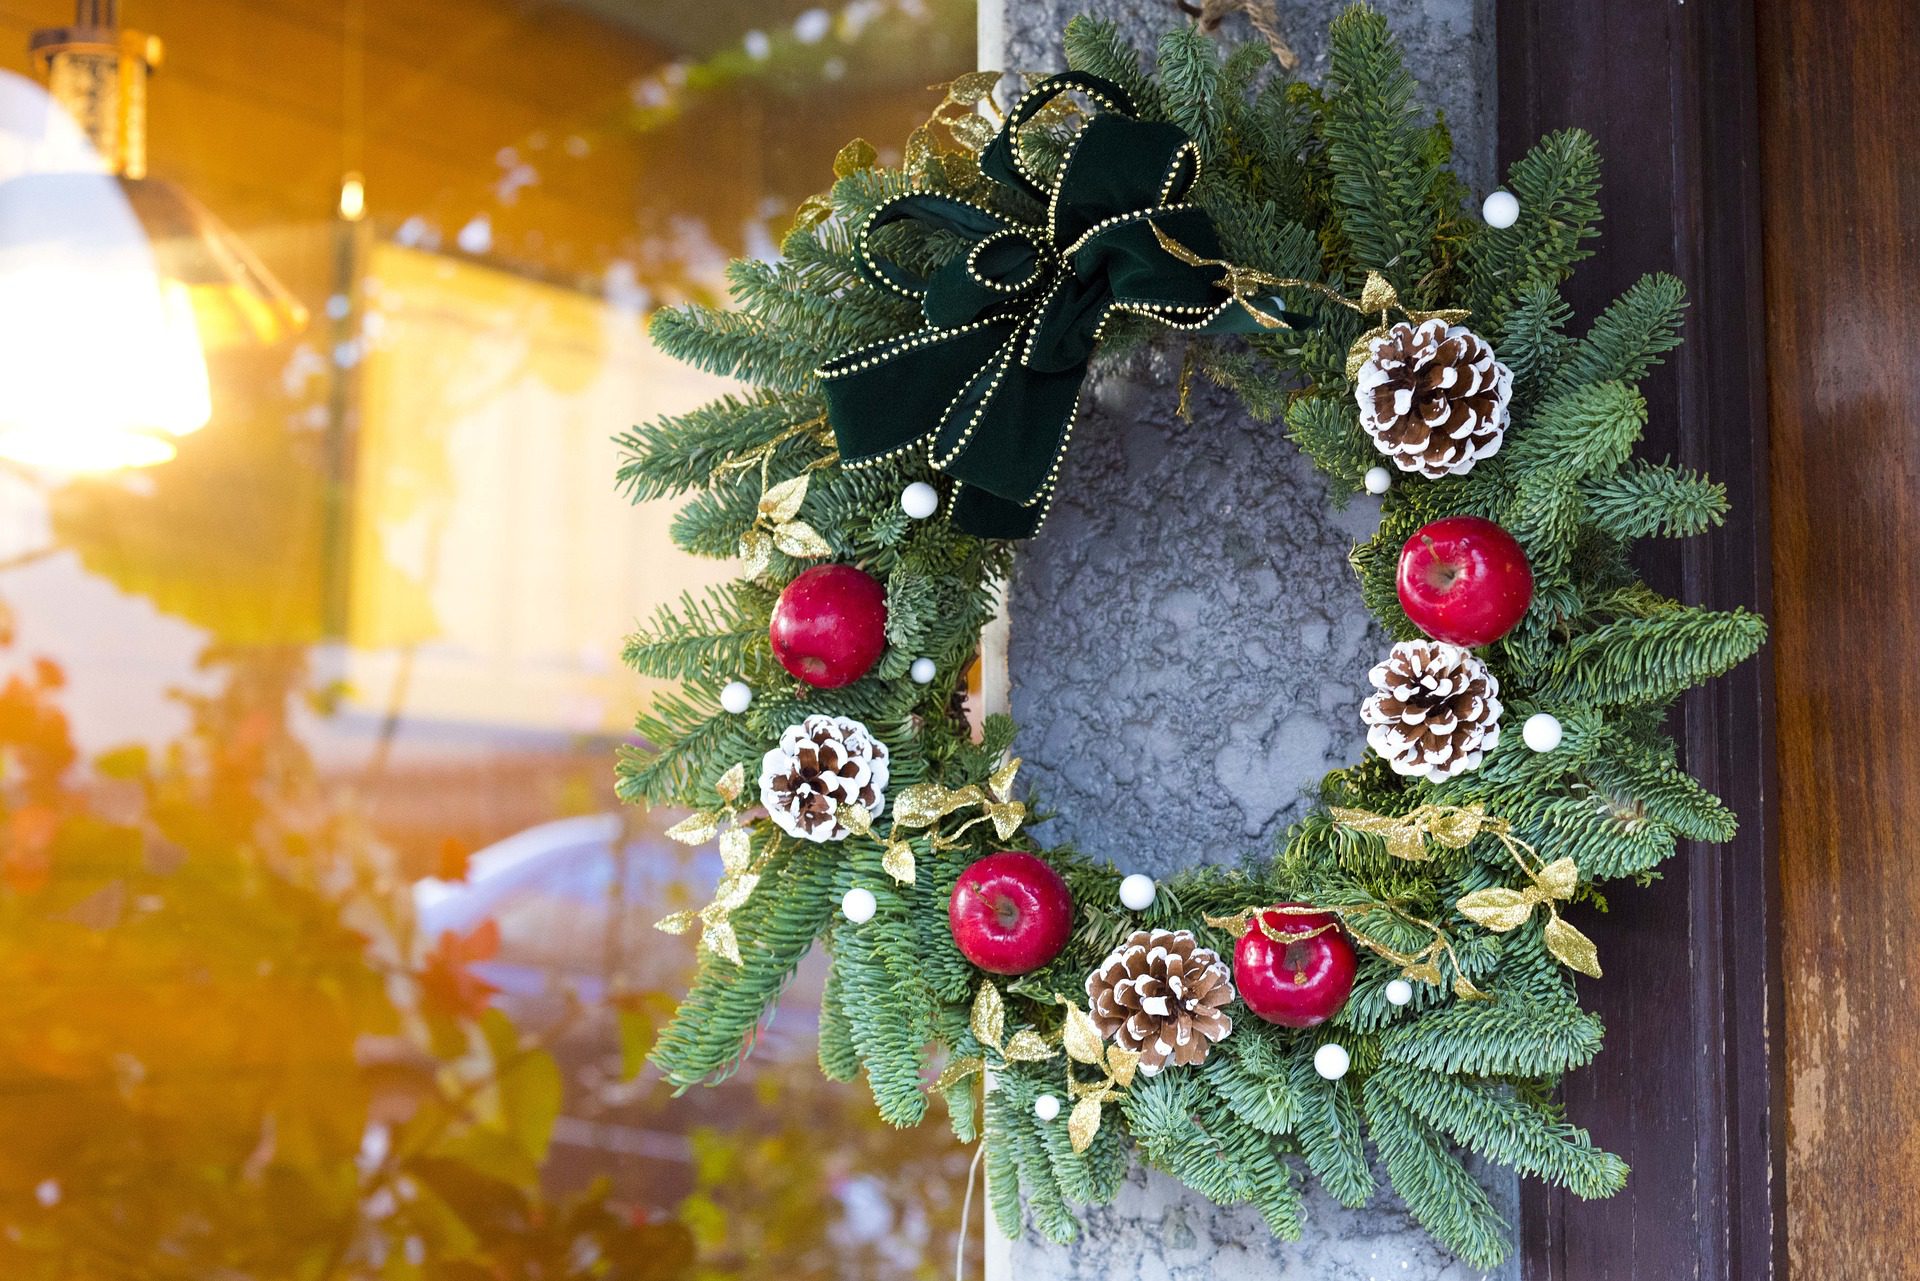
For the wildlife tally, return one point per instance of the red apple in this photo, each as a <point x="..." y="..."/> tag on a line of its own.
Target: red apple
<point x="1010" y="913"/>
<point x="1464" y="580"/>
<point x="830" y="625"/>
<point x="1298" y="984"/>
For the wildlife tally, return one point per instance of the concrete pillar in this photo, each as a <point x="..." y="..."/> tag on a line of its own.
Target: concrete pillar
<point x="1188" y="650"/>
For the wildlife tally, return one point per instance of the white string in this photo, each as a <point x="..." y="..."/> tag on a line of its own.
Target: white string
<point x="966" y="1213"/>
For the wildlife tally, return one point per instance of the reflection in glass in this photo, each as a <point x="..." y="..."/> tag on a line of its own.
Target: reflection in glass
<point x="325" y="949"/>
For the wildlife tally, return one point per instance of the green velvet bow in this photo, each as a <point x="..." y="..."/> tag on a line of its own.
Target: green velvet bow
<point x="990" y="386"/>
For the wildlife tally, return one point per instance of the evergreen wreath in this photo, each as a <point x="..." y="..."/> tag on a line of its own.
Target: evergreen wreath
<point x="1434" y="876"/>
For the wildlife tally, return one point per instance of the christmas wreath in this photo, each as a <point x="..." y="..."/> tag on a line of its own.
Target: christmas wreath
<point x="1392" y="986"/>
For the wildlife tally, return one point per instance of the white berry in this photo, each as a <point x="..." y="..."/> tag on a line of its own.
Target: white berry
<point x="919" y="500"/>
<point x="1541" y="732"/>
<point x="1046" y="1107"/>
<point x="922" y="671"/>
<point x="1379" y="480"/>
<point x="1399" y="991"/>
<point x="858" y="905"/>
<point x="1501" y="210"/>
<point x="1332" y="1061"/>
<point x="736" y="697"/>
<point x="1137" y="892"/>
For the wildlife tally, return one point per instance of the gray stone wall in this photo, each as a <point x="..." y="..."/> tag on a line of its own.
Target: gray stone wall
<point x="1188" y="652"/>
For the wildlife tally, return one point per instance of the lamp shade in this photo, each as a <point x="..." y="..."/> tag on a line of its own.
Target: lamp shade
<point x="101" y="364"/>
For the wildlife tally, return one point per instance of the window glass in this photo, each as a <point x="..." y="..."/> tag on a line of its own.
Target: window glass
<point x="326" y="950"/>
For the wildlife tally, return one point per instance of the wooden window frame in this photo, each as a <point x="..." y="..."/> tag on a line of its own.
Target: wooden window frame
<point x="1690" y="1086"/>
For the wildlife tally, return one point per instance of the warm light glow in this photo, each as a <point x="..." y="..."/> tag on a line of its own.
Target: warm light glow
<point x="353" y="198"/>
<point x="103" y="357"/>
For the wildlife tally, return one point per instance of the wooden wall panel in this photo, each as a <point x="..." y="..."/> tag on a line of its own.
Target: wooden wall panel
<point x="1686" y="1088"/>
<point x="1842" y="200"/>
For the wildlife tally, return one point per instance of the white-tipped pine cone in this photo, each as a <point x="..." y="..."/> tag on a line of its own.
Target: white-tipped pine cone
<point x="1436" y="711"/>
<point x="1433" y="397"/>
<point x="1162" y="996"/>
<point x="821" y="765"/>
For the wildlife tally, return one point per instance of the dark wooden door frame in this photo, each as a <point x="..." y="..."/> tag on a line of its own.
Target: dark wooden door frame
<point x="1690" y="1086"/>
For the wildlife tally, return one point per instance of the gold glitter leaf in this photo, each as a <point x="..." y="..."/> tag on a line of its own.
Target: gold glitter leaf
<point x="1559" y="878"/>
<point x="1360" y="352"/>
<point x="1572" y="948"/>
<point x="1377" y="294"/>
<point x="898" y="862"/>
<point x="1122" y="1064"/>
<point x="1025" y="1046"/>
<point x="855" y="819"/>
<point x="1007" y="817"/>
<point x="925" y="804"/>
<point x="989" y="1018"/>
<point x="1422" y="972"/>
<point x="919" y="149"/>
<point x="720" y="940"/>
<point x="736" y="848"/>
<point x="797" y="538"/>
<point x="1498" y="909"/>
<point x="1456" y="829"/>
<point x="730" y="784"/>
<point x="855" y="156"/>
<point x="756" y="553"/>
<point x="1082" y="1037"/>
<point x="957" y="1071"/>
<point x="813" y="211"/>
<point x="696" y="828"/>
<point x="1000" y="782"/>
<point x="1084" y="1123"/>
<point x="1464" y="989"/>
<point x="972" y="87"/>
<point x="678" y="923"/>
<point x="971" y="131"/>
<point x="734" y="891"/>
<point x="1407" y="843"/>
<point x="782" y="501"/>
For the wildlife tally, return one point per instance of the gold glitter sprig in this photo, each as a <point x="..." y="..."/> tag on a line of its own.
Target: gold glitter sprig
<point x="1084" y="1044"/>
<point x="988" y="1023"/>
<point x="740" y="871"/>
<point x="1377" y="295"/>
<point x="1497" y="908"/>
<point x="925" y="805"/>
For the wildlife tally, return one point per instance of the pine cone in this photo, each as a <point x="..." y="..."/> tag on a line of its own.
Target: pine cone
<point x="823" y="763"/>
<point x="1163" y="996"/>
<point x="1437" y="710"/>
<point x="1433" y="398"/>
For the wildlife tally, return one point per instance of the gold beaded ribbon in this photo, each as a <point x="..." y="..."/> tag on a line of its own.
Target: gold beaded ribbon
<point x="1497" y="908"/>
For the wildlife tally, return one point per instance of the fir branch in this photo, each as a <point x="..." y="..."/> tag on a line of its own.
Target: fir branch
<point x="1558" y="185"/>
<point x="1438" y="1191"/>
<point x="1330" y="1133"/>
<point x="1096" y="46"/>
<point x="1643" y="499"/>
<point x="1630" y="336"/>
<point x="1384" y="173"/>
<point x="1650" y="660"/>
<point x="715" y="1026"/>
<point x="1494" y="1123"/>
<point x="1584" y="432"/>
<point x="1507" y="1037"/>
